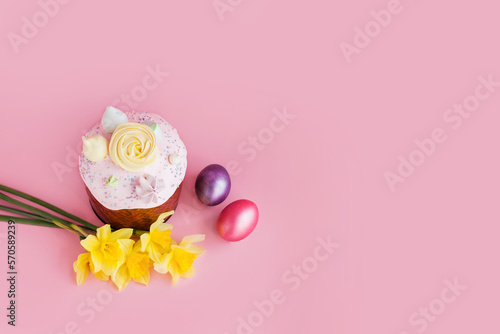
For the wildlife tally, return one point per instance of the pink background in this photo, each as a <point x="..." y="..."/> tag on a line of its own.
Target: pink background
<point x="321" y="176"/>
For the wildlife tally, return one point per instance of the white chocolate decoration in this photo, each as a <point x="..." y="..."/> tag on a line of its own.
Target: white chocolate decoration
<point x="112" y="118"/>
<point x="174" y="159"/>
<point x="95" y="148"/>
<point x="156" y="129"/>
<point x="124" y="196"/>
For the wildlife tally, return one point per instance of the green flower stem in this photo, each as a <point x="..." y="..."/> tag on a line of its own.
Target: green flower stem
<point x="71" y="229"/>
<point x="139" y="232"/>
<point x="35" y="210"/>
<point x="22" y="213"/>
<point x="39" y="216"/>
<point x="83" y="230"/>
<point x="48" y="206"/>
<point x="27" y="221"/>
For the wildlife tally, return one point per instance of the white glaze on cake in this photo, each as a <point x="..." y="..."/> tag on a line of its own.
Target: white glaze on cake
<point x="124" y="195"/>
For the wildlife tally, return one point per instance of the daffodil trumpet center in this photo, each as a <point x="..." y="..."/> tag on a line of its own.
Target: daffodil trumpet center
<point x="111" y="250"/>
<point x="161" y="238"/>
<point x="182" y="259"/>
<point x="138" y="264"/>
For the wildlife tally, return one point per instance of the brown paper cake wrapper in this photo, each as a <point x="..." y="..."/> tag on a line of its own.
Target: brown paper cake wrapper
<point x="139" y="219"/>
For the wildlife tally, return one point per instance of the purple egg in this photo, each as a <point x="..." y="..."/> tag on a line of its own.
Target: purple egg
<point x="238" y="220"/>
<point x="213" y="185"/>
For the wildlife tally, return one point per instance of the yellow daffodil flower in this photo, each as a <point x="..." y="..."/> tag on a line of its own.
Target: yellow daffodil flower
<point x="136" y="266"/>
<point x="107" y="249"/>
<point x="179" y="261"/>
<point x="157" y="241"/>
<point x="82" y="266"/>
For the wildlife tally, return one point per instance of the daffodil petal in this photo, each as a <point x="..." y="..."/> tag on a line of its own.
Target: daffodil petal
<point x="175" y="278"/>
<point x="143" y="279"/>
<point x="154" y="253"/>
<point x="145" y="238"/>
<point x="124" y="233"/>
<point x="188" y="273"/>
<point x="165" y="215"/>
<point x="164" y="227"/>
<point x="90" y="243"/>
<point x="121" y="278"/>
<point x="197" y="250"/>
<point x="81" y="267"/>
<point x="96" y="258"/>
<point x="138" y="246"/>
<point x="155" y="225"/>
<point x="103" y="233"/>
<point x="160" y="220"/>
<point x="190" y="239"/>
<point x="81" y="276"/>
<point x="82" y="258"/>
<point x="162" y="266"/>
<point x="126" y="245"/>
<point x="108" y="266"/>
<point x="101" y="276"/>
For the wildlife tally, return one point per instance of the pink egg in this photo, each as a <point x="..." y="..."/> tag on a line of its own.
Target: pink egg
<point x="237" y="220"/>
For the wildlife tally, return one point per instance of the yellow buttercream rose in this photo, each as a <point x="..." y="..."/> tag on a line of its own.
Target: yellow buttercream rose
<point x="133" y="146"/>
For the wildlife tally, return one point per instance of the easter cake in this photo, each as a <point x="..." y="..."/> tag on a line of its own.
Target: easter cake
<point x="133" y="165"/>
